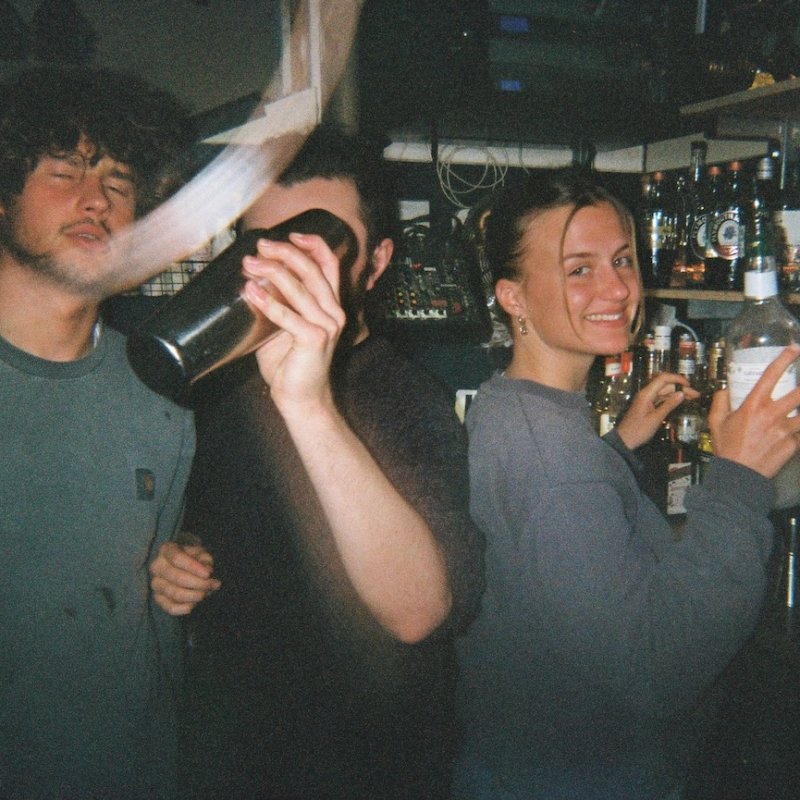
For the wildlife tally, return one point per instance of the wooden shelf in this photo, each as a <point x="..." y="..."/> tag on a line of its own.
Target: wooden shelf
<point x="777" y="101"/>
<point x="695" y="294"/>
<point x="791" y="298"/>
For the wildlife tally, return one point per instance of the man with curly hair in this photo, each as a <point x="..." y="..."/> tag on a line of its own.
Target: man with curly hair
<point x="92" y="464"/>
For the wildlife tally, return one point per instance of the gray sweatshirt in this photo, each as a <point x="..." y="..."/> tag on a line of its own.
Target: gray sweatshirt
<point x="600" y="632"/>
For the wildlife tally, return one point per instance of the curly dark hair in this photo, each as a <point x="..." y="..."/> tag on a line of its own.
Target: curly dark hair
<point x="46" y="111"/>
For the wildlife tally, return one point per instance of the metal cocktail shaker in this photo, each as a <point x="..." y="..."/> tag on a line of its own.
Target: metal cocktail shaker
<point x="208" y="323"/>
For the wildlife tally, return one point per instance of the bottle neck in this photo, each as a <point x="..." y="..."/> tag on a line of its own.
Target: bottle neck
<point x="760" y="285"/>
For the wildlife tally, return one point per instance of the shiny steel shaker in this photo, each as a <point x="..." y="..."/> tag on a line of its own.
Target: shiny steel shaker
<point x="208" y="323"/>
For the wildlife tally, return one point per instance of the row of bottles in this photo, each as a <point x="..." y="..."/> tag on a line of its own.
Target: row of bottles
<point x="681" y="450"/>
<point x="679" y="453"/>
<point x="693" y="232"/>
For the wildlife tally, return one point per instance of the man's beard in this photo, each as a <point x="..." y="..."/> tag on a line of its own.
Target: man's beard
<point x="352" y="297"/>
<point x="46" y="265"/>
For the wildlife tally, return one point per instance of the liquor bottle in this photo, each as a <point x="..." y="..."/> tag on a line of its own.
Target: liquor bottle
<point x="683" y="223"/>
<point x="712" y="199"/>
<point x="756" y="336"/>
<point x="654" y="355"/>
<point x="790" y="569"/>
<point x="764" y="190"/>
<point x="787" y="223"/>
<point x="613" y="400"/>
<point x="642" y="351"/>
<point x="696" y="218"/>
<point x="687" y="418"/>
<point x="662" y="350"/>
<point x="612" y="366"/>
<point x="700" y="365"/>
<point x="789" y="582"/>
<point x="715" y="380"/>
<point x="760" y="209"/>
<point x="726" y="222"/>
<point x="667" y="471"/>
<point x="657" y="233"/>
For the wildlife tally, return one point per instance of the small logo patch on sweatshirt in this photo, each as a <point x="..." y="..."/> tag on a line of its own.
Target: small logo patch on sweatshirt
<point x="145" y="484"/>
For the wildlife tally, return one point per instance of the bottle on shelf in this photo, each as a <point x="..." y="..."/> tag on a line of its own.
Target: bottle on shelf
<point x="667" y="471"/>
<point x="700" y="365"/>
<point x="712" y="197"/>
<point x="656" y="232"/>
<point x="662" y="350"/>
<point x="756" y="336"/>
<point x="642" y="351"/>
<point x="613" y="400"/>
<point x="688" y="418"/>
<point x="715" y="380"/>
<point x="764" y="192"/>
<point x="759" y="217"/>
<point x="723" y="269"/>
<point x="678" y="279"/>
<point x="787" y="223"/>
<point x="696" y="217"/>
<point x="789" y="582"/>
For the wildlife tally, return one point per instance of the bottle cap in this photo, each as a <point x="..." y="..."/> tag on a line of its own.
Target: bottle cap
<point x="663" y="337"/>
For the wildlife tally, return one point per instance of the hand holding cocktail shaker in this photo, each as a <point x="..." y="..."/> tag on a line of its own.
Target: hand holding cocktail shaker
<point x="209" y="323"/>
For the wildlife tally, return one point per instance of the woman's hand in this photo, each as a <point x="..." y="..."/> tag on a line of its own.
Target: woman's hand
<point x="651" y="405"/>
<point x="760" y="434"/>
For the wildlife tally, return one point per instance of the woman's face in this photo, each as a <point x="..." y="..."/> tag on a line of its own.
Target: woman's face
<point x="580" y="302"/>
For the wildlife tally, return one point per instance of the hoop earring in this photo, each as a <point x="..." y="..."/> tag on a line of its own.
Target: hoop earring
<point x="523" y="326"/>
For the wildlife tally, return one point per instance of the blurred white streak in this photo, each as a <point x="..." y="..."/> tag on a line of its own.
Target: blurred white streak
<point x="222" y="191"/>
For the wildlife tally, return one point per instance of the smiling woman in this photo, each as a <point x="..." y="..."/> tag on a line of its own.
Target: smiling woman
<point x="579" y="287"/>
<point x="574" y="677"/>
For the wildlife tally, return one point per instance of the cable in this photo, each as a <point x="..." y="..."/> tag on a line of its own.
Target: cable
<point x="457" y="188"/>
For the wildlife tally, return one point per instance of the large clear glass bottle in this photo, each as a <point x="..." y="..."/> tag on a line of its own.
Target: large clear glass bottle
<point x="758" y="335"/>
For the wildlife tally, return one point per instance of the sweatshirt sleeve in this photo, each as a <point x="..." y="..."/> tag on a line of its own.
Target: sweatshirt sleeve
<point x="593" y="577"/>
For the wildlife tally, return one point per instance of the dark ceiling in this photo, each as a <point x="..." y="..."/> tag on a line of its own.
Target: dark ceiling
<point x="601" y="71"/>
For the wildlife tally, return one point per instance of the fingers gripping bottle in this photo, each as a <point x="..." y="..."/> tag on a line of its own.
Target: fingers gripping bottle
<point x="757" y="335"/>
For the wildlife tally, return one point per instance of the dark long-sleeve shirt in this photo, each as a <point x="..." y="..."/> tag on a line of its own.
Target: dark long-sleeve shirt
<point x="327" y="704"/>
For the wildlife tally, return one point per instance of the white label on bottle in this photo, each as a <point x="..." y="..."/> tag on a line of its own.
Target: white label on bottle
<point x="662" y="337"/>
<point x="748" y="365"/>
<point x="759" y="285"/>
<point x="607" y="422"/>
<point x="687" y="428"/>
<point x="789" y="220"/>
<point x="679" y="479"/>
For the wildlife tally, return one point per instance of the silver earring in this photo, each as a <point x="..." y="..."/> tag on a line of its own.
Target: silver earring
<point x="523" y="326"/>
